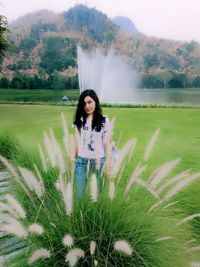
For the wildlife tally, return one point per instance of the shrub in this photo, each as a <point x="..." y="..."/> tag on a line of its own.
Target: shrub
<point x="132" y="222"/>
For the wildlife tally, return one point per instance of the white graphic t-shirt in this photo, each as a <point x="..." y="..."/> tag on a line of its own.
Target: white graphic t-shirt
<point x="91" y="142"/>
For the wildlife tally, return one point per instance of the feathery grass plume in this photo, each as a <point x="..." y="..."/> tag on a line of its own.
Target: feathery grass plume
<point x="41" y="253"/>
<point x="124" y="247"/>
<point x="197" y="248"/>
<point x="151" y="144"/>
<point x="126" y="149"/>
<point x="57" y="185"/>
<point x="32" y="182"/>
<point x="58" y="152"/>
<point x="68" y="240"/>
<point x="12" y="171"/>
<point x="66" y="137"/>
<point x="170" y="205"/>
<point x="189" y="218"/>
<point x="120" y="174"/>
<point x="92" y="247"/>
<point x="95" y="263"/>
<point x="4" y="217"/>
<point x="42" y="157"/>
<point x="173" y="180"/>
<point x="134" y="177"/>
<point x="164" y="238"/>
<point x="40" y="178"/>
<point x="61" y="184"/>
<point x="195" y="264"/>
<point x="167" y="168"/>
<point x="155" y="172"/>
<point x="119" y="138"/>
<point x="67" y="142"/>
<point x="72" y="153"/>
<point x="73" y="256"/>
<point x="94" y="188"/>
<point x="111" y="193"/>
<point x="68" y="198"/>
<point x="147" y="187"/>
<point x="181" y="185"/>
<point x="16" y="206"/>
<point x="36" y="228"/>
<point x="132" y="149"/>
<point x="156" y="205"/>
<point x="109" y="133"/>
<point x="10" y="210"/>
<point x="49" y="148"/>
<point x="14" y="227"/>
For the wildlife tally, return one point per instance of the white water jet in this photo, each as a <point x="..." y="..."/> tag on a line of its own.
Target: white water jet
<point x="108" y="75"/>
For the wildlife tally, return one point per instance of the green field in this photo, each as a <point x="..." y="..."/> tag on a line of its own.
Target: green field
<point x="179" y="136"/>
<point x="49" y="96"/>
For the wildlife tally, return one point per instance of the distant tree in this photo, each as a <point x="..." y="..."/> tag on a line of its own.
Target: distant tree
<point x="17" y="82"/>
<point x="179" y="52"/>
<point x="23" y="64"/>
<point x="190" y="47"/>
<point x="3" y="30"/>
<point x="74" y="82"/>
<point x="55" y="56"/>
<point x="151" y="81"/>
<point x="169" y="61"/>
<point x="27" y="44"/>
<point x="4" y="82"/>
<point x="196" y="82"/>
<point x="39" y="29"/>
<point x="164" y="77"/>
<point x="55" y="81"/>
<point x="178" y="81"/>
<point x="151" y="61"/>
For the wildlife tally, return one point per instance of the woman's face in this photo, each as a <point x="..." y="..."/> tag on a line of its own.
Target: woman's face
<point x="89" y="105"/>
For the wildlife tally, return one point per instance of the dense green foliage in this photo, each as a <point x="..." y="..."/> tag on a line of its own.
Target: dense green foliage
<point x="55" y="81"/>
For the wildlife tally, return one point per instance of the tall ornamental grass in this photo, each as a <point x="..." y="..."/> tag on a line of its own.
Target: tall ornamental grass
<point x="133" y="221"/>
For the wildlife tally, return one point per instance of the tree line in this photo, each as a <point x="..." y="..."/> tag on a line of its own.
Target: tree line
<point x="55" y="81"/>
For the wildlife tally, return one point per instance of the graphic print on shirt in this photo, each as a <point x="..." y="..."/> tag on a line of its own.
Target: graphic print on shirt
<point x="91" y="143"/>
<point x="88" y="138"/>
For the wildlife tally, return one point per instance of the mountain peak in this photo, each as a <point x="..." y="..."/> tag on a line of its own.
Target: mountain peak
<point x="125" y="24"/>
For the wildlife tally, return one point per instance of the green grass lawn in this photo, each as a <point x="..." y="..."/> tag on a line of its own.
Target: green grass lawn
<point x="179" y="136"/>
<point x="39" y="95"/>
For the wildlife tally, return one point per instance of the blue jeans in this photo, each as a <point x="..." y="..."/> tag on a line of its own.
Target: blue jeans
<point x="83" y="168"/>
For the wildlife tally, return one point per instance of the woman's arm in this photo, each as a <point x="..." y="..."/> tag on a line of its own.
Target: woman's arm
<point x="74" y="146"/>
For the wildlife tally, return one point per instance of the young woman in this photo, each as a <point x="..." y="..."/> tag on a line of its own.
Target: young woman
<point x="92" y="143"/>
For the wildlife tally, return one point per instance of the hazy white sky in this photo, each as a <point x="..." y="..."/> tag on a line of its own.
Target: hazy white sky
<point x="174" y="19"/>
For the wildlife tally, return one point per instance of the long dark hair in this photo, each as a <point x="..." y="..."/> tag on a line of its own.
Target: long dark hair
<point x="81" y="115"/>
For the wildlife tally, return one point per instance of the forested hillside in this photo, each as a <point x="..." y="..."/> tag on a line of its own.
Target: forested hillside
<point x="43" y="52"/>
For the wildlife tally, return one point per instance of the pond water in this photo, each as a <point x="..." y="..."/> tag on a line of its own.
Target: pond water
<point x="167" y="96"/>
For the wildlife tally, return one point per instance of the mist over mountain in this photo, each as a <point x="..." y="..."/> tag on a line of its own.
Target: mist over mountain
<point x="44" y="46"/>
